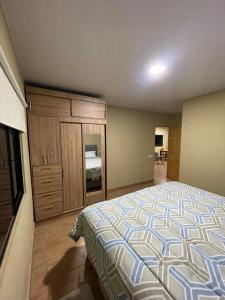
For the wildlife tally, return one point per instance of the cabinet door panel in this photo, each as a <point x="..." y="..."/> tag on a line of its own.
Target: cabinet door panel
<point x="52" y="140"/>
<point x="44" y="136"/>
<point x="173" y="165"/>
<point x="87" y="109"/>
<point x="48" y="106"/>
<point x="37" y="139"/>
<point x="72" y="165"/>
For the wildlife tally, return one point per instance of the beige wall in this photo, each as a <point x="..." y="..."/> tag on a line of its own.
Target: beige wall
<point x="130" y="139"/>
<point x="203" y="142"/>
<point x="6" y="44"/>
<point x="93" y="139"/>
<point x="15" y="269"/>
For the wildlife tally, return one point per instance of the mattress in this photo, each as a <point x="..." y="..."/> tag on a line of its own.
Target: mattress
<point x="162" y="242"/>
<point x="93" y="168"/>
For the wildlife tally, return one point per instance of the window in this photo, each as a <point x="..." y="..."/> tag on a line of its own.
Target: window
<point x="11" y="181"/>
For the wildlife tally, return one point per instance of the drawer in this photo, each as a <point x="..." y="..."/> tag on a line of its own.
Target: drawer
<point x="48" y="198"/>
<point x="87" y="109"/>
<point x="48" y="211"/>
<point x="48" y="170"/>
<point x="47" y="184"/>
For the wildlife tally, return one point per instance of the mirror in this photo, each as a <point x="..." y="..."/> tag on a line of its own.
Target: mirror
<point x="93" y="162"/>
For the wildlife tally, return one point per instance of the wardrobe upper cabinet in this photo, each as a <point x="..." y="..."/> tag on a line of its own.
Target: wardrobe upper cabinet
<point x="86" y="109"/>
<point x="44" y="137"/>
<point x="48" y="106"/>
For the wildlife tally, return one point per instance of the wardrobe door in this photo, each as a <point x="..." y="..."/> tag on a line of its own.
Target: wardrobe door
<point x="71" y="140"/>
<point x="52" y="140"/>
<point x="44" y="137"/>
<point x="37" y="140"/>
<point x="94" y="163"/>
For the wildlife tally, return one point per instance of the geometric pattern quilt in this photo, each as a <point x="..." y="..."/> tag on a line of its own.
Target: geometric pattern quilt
<point x="162" y="242"/>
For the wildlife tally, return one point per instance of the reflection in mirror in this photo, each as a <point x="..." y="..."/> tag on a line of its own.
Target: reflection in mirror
<point x="93" y="162"/>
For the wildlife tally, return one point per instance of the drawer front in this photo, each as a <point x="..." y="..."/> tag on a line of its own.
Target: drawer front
<point x="48" y="106"/>
<point x="87" y="109"/>
<point x="48" y="198"/>
<point x="45" y="171"/>
<point x="48" y="211"/>
<point x="47" y="184"/>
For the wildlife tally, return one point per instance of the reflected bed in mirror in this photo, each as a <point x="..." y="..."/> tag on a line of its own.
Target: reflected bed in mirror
<point x="93" y="164"/>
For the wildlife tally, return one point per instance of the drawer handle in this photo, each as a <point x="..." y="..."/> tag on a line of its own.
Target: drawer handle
<point x="48" y="181"/>
<point x="48" y="195"/>
<point x="45" y="168"/>
<point x="48" y="207"/>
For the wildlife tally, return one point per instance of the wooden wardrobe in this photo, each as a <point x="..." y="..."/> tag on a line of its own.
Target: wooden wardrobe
<point x="67" y="150"/>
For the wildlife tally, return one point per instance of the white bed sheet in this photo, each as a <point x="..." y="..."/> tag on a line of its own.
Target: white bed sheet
<point x="93" y="163"/>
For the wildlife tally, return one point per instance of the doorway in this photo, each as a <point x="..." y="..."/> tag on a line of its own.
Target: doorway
<point x="167" y="154"/>
<point x="161" y="154"/>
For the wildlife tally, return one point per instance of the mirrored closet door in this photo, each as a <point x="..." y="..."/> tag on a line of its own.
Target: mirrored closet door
<point x="93" y="162"/>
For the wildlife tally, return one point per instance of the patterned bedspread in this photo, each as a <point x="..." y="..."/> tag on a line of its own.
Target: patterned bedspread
<point x="162" y="242"/>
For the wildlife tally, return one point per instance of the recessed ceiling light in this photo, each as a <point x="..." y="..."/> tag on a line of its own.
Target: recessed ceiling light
<point x="157" y="69"/>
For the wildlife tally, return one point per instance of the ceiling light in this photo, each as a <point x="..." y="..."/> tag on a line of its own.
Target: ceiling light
<point x="157" y="69"/>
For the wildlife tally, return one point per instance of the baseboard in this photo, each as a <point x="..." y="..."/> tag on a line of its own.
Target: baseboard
<point x="126" y="189"/>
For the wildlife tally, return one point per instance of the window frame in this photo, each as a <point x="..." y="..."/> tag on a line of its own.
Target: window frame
<point x="18" y="168"/>
<point x="15" y="146"/>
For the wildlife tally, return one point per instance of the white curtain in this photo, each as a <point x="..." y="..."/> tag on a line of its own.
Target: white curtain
<point x="12" y="110"/>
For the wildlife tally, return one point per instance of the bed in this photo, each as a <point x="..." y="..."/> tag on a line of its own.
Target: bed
<point x="162" y="242"/>
<point x="93" y="165"/>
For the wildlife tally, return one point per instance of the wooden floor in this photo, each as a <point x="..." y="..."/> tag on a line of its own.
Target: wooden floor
<point x="59" y="265"/>
<point x="111" y="194"/>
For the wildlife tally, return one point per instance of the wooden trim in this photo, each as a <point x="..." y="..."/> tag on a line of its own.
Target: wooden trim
<point x="83" y="120"/>
<point x="126" y="189"/>
<point x="86" y="98"/>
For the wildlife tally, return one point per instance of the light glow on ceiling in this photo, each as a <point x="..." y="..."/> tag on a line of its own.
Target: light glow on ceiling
<point x="158" y="69"/>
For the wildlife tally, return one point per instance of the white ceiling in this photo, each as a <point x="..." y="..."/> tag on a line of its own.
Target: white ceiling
<point x="105" y="47"/>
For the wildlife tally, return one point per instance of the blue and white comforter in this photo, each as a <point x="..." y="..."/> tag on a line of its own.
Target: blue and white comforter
<point x="162" y="242"/>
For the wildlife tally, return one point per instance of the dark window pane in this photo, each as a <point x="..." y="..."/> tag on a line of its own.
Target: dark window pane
<point x="11" y="181"/>
<point x="6" y="213"/>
